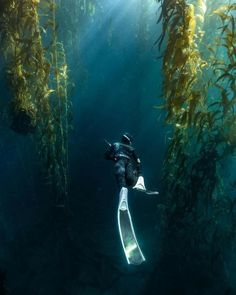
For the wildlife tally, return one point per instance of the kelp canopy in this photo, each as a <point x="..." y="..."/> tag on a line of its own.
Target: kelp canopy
<point x="38" y="79"/>
<point x="199" y="67"/>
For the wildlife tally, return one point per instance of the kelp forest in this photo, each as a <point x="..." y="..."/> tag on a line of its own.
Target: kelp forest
<point x="76" y="74"/>
<point x="37" y="73"/>
<point x="198" y="43"/>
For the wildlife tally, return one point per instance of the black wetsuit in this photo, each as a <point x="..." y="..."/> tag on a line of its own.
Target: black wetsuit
<point x="127" y="164"/>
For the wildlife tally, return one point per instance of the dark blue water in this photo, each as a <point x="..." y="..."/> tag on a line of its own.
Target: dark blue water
<point x="117" y="81"/>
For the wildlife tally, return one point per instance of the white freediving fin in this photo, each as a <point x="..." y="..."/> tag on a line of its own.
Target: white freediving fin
<point x="123" y="202"/>
<point x="129" y="242"/>
<point x="140" y="186"/>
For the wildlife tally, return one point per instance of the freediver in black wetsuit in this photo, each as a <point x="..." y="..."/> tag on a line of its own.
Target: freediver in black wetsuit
<point x="127" y="164"/>
<point x="127" y="172"/>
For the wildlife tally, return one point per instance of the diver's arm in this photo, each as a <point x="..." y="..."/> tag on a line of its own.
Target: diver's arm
<point x="136" y="158"/>
<point x="108" y="153"/>
<point x="111" y="152"/>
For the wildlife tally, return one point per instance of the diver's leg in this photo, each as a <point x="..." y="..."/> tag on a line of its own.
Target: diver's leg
<point x="120" y="173"/>
<point x="131" y="174"/>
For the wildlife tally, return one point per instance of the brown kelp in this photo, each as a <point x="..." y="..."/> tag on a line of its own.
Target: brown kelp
<point x="73" y="14"/>
<point x="37" y="75"/>
<point x="22" y="43"/>
<point x="199" y="90"/>
<point x="225" y="70"/>
<point x="57" y="150"/>
<point x="182" y="67"/>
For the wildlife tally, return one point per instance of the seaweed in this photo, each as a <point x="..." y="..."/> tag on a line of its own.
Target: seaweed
<point x="38" y="78"/>
<point x="199" y="93"/>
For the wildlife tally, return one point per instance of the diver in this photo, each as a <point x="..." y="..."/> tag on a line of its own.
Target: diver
<point x="127" y="164"/>
<point x="128" y="174"/>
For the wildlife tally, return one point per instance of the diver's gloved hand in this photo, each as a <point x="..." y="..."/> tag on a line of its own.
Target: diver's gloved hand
<point x="140" y="184"/>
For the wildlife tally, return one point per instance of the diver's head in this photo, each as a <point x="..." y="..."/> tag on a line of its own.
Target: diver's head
<point x="126" y="138"/>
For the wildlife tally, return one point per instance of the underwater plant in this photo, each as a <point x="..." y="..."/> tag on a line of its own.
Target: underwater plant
<point x="38" y="78"/>
<point x="20" y="40"/>
<point x="225" y="70"/>
<point x="75" y="13"/>
<point x="60" y="104"/>
<point x="189" y="109"/>
<point x="199" y="92"/>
